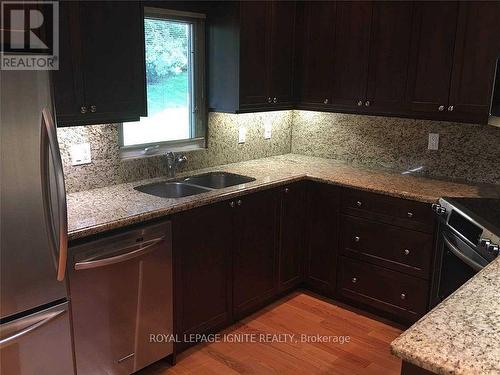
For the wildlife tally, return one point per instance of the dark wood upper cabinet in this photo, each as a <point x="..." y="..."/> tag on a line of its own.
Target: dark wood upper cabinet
<point x="102" y="74"/>
<point x="389" y="53"/>
<point x="292" y="239"/>
<point x="315" y="67"/>
<point x="255" y="257"/>
<point x="452" y="65"/>
<point x="202" y="250"/>
<point x="431" y="59"/>
<point x="355" y="56"/>
<point x="351" y="46"/>
<point x="251" y="56"/>
<point x="477" y="47"/>
<point x="282" y="52"/>
<point x="255" y="52"/>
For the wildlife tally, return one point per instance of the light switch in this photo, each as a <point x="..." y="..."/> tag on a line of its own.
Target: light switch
<point x="80" y="154"/>
<point x="242" y="134"/>
<point x="433" y="141"/>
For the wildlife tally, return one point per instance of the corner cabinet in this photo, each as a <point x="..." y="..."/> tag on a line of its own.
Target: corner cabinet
<point x="355" y="56"/>
<point x="102" y="66"/>
<point x="251" y="56"/>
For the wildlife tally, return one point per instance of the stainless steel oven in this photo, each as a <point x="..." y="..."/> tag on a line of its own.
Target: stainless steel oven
<point x="466" y="243"/>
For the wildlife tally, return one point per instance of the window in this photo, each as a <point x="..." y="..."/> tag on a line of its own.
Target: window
<point x="174" y="45"/>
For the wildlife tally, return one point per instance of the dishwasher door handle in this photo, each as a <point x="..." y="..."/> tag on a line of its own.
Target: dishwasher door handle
<point x="142" y="250"/>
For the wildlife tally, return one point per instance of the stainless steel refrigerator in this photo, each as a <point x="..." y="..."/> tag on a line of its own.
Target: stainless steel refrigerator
<point x="35" y="335"/>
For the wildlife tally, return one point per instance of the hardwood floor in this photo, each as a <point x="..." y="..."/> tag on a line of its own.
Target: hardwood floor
<point x="301" y="313"/>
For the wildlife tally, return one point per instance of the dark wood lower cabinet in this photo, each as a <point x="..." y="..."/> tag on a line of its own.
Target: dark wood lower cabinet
<point x="202" y="247"/>
<point x="292" y="235"/>
<point x="255" y="253"/>
<point x="322" y="229"/>
<point x="234" y="257"/>
<point x="404" y="297"/>
<point x="410" y="369"/>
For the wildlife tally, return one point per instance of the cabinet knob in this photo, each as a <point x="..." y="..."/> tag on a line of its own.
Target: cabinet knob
<point x="275" y="100"/>
<point x="231" y="204"/>
<point x="83" y="109"/>
<point x="441" y="108"/>
<point x="403" y="296"/>
<point x="354" y="280"/>
<point x="451" y="108"/>
<point x="360" y="103"/>
<point x="93" y="108"/>
<point x="407" y="252"/>
<point x="410" y="215"/>
<point x="239" y="202"/>
<point x="359" y="203"/>
<point x="325" y="101"/>
<point x="287" y="190"/>
<point x="367" y="103"/>
<point x="269" y="100"/>
<point x="357" y="239"/>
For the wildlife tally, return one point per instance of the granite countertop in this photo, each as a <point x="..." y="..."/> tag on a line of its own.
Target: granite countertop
<point x="98" y="210"/>
<point x="462" y="334"/>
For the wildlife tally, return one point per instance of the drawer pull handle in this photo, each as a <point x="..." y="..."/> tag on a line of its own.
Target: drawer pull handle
<point x="354" y="280"/>
<point x="410" y="215"/>
<point x="359" y="203"/>
<point x="407" y="252"/>
<point x="231" y="204"/>
<point x="357" y="239"/>
<point x="287" y="190"/>
<point x="403" y="296"/>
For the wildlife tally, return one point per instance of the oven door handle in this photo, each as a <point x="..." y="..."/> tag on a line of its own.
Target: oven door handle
<point x="474" y="265"/>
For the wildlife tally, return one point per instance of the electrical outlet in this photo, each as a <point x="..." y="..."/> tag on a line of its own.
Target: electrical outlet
<point x="268" y="127"/>
<point x="80" y="154"/>
<point x="242" y="134"/>
<point x="433" y="141"/>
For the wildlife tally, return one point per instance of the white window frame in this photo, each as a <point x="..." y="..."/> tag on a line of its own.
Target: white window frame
<point x="198" y="113"/>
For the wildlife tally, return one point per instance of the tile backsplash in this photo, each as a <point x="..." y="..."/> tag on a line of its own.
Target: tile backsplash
<point x="107" y="168"/>
<point x="466" y="151"/>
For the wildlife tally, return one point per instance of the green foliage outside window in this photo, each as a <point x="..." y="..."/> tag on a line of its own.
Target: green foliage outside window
<point x="166" y="49"/>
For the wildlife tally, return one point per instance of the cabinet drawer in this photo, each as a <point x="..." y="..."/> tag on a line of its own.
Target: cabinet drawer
<point x="391" y="210"/>
<point x="386" y="245"/>
<point x="396" y="293"/>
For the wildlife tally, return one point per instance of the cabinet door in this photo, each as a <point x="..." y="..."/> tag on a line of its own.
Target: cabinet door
<point x="323" y="213"/>
<point x="477" y="47"/>
<point x="352" y="45"/>
<point x="202" y="245"/>
<point x="68" y="80"/>
<point x="431" y="56"/>
<point x="389" y="48"/>
<point x="255" y="30"/>
<point x="255" y="255"/>
<point x="282" y="52"/>
<point x="113" y="59"/>
<point x="317" y="65"/>
<point x="291" y="235"/>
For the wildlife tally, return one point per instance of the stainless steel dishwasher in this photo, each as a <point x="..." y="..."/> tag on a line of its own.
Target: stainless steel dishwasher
<point x="121" y="293"/>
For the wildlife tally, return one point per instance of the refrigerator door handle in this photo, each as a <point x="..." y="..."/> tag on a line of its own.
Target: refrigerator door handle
<point x="50" y="145"/>
<point x="14" y="337"/>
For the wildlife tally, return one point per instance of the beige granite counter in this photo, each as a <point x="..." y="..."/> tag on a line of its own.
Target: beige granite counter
<point x="462" y="334"/>
<point x="98" y="210"/>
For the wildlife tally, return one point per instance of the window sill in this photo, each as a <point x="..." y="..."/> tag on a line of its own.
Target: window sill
<point x="139" y="152"/>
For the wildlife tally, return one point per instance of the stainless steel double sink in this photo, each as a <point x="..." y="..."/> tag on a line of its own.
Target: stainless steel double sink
<point x="194" y="184"/>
